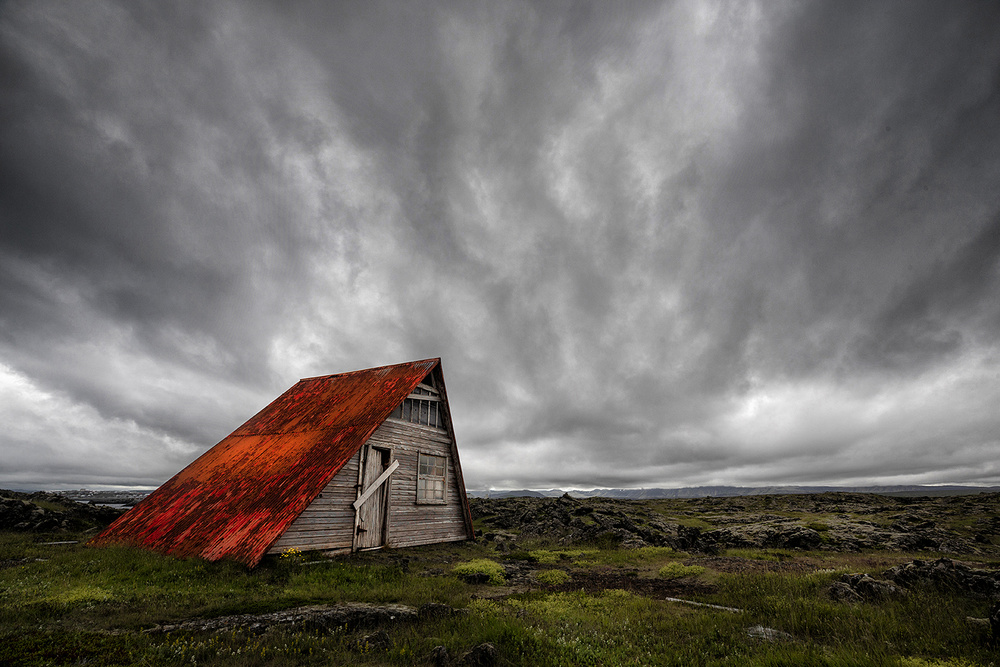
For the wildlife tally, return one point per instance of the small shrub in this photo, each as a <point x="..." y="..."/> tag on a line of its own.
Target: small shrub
<point x="552" y="577"/>
<point x="677" y="570"/>
<point x="492" y="570"/>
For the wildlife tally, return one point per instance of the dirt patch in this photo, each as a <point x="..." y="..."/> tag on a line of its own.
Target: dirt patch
<point x="603" y="579"/>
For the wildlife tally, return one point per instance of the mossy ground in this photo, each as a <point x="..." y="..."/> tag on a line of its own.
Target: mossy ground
<point x="71" y="604"/>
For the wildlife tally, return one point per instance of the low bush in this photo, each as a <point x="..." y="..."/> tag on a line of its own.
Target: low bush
<point x="492" y="570"/>
<point x="552" y="577"/>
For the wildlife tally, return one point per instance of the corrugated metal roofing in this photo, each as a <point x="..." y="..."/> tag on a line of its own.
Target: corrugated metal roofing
<point x="237" y="498"/>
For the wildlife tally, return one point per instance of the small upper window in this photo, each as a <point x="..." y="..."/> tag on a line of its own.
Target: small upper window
<point x="423" y="406"/>
<point x="430" y="478"/>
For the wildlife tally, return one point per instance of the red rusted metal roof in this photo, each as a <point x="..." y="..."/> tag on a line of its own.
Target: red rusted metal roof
<point x="237" y="498"/>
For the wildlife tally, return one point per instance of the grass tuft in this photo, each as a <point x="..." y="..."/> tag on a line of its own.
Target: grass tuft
<point x="677" y="570"/>
<point x="552" y="577"/>
<point x="482" y="566"/>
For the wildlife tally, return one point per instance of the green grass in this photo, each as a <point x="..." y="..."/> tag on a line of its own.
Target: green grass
<point x="70" y="604"/>
<point x="677" y="570"/>
<point x="549" y="556"/>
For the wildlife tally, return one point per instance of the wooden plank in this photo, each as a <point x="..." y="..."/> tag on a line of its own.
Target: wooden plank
<point x="321" y="535"/>
<point x="416" y="543"/>
<point x="376" y="485"/>
<point x="309" y="545"/>
<point x="372" y="510"/>
<point x="327" y="520"/>
<point x="312" y="541"/>
<point x="404" y="432"/>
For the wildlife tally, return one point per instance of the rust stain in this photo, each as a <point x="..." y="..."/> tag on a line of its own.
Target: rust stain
<point x="237" y="498"/>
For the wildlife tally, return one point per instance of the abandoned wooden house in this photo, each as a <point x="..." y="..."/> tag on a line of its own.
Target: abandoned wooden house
<point x="338" y="463"/>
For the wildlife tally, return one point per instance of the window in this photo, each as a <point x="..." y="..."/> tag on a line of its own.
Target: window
<point x="422" y="406"/>
<point x="430" y="478"/>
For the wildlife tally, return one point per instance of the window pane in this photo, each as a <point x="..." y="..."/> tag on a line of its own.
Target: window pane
<point x="431" y="477"/>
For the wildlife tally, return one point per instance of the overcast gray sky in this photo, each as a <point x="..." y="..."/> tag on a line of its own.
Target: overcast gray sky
<point x="655" y="244"/>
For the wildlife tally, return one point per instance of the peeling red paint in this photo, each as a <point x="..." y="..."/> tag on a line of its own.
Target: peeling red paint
<point x="237" y="498"/>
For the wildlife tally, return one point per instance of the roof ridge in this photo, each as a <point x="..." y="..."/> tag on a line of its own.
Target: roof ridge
<point x="374" y="368"/>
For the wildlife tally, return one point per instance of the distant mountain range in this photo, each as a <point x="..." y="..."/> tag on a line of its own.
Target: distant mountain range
<point x="730" y="491"/>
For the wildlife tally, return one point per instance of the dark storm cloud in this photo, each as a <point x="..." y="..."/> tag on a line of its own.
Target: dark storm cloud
<point x="672" y="243"/>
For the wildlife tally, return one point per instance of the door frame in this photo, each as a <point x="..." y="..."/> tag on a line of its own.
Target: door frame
<point x="383" y="495"/>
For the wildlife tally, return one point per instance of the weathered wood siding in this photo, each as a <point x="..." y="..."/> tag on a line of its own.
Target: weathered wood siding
<point x="371" y="524"/>
<point x="329" y="520"/>
<point x="411" y="523"/>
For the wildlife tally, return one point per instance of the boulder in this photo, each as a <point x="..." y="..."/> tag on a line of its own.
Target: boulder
<point x="842" y="592"/>
<point x="483" y="655"/>
<point x="947" y="574"/>
<point x="439" y="656"/>
<point x="860" y="586"/>
<point x="376" y="641"/>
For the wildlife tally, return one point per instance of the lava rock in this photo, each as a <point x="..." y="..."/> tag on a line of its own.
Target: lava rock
<point x="871" y="589"/>
<point x="439" y="656"/>
<point x="376" y="641"/>
<point x="947" y="574"/>
<point x="842" y="592"/>
<point x="483" y="655"/>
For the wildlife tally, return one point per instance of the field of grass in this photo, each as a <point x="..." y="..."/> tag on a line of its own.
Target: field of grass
<point x="578" y="605"/>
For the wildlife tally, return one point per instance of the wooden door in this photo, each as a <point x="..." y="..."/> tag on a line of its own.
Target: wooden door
<point x="372" y="514"/>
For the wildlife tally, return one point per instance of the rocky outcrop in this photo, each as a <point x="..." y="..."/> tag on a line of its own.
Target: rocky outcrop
<point x="864" y="587"/>
<point x="761" y="535"/>
<point x="947" y="574"/>
<point x="50" y="513"/>
<point x="841" y="591"/>
<point x="321" y="618"/>
<point x="847" y="522"/>
<point x="569" y="520"/>
<point x="942" y="574"/>
<point x="481" y="655"/>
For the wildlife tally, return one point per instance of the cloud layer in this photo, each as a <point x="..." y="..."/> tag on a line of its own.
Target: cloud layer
<point x="662" y="245"/>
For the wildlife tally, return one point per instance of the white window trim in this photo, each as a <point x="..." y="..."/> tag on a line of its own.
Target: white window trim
<point x="432" y="501"/>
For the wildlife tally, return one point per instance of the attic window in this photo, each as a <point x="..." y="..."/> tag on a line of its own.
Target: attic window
<point x="422" y="406"/>
<point x="431" y="478"/>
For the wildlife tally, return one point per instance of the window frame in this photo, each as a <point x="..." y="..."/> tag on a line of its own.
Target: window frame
<point x="443" y="477"/>
<point x="419" y="402"/>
